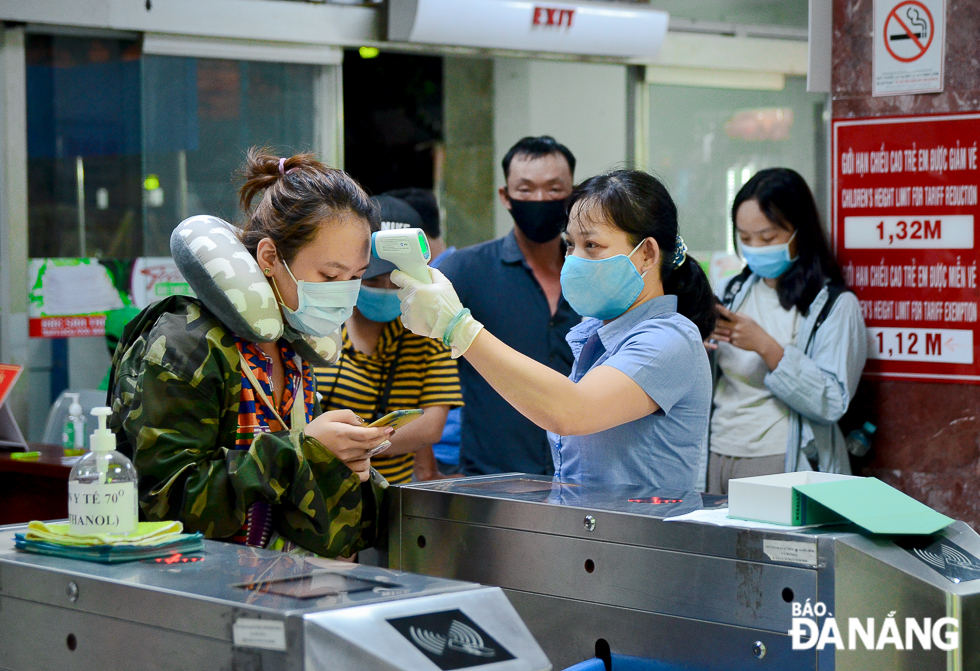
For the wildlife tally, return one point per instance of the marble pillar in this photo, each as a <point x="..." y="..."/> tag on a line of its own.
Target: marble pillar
<point x="469" y="174"/>
<point x="928" y="440"/>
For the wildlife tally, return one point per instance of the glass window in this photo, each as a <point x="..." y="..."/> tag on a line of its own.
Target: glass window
<point x="199" y="117"/>
<point x="786" y="13"/>
<point x="83" y="147"/>
<point x="123" y="146"/>
<point x="706" y="143"/>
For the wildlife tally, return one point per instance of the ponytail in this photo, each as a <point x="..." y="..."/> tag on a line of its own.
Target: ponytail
<point x="695" y="299"/>
<point x="639" y="204"/>
<point x="296" y="195"/>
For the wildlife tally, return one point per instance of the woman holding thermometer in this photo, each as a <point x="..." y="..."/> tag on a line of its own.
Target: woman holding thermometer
<point x="635" y="408"/>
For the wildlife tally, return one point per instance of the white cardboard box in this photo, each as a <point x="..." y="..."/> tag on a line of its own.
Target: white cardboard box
<point x="770" y="498"/>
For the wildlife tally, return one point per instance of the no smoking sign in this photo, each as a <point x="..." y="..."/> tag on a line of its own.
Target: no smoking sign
<point x="909" y="46"/>
<point x="909" y="31"/>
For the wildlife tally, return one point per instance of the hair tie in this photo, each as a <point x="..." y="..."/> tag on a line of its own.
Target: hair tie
<point x="282" y="163"/>
<point x="680" y="255"/>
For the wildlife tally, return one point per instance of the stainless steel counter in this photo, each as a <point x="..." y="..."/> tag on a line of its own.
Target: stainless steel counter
<point x="602" y="570"/>
<point x="238" y="608"/>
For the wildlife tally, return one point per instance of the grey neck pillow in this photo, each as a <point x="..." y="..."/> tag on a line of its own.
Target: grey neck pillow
<point x="227" y="279"/>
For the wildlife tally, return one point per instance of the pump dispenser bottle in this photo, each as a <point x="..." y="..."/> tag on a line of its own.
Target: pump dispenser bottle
<point x="102" y="486"/>
<point x="73" y="434"/>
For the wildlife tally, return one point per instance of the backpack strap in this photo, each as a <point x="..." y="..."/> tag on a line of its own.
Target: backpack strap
<point x="734" y="286"/>
<point x="833" y="293"/>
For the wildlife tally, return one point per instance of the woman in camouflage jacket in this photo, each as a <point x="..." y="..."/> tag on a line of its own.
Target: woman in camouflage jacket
<point x="207" y="435"/>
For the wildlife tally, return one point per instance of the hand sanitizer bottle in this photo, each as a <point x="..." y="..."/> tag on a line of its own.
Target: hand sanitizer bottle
<point x="102" y="487"/>
<point x="73" y="435"/>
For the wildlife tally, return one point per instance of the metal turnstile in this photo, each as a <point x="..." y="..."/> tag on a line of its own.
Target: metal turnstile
<point x="234" y="607"/>
<point x="601" y="569"/>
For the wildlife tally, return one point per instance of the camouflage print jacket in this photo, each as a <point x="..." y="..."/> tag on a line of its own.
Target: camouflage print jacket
<point x="175" y="385"/>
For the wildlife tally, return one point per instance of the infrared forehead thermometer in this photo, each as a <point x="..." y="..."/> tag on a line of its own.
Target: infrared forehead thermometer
<point x="407" y="248"/>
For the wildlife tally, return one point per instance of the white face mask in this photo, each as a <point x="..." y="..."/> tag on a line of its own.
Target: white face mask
<point x="323" y="306"/>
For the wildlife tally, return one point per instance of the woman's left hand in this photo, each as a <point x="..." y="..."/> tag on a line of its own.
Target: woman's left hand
<point x="745" y="333"/>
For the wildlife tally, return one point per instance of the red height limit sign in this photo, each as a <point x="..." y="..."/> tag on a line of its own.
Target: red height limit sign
<point x="905" y="234"/>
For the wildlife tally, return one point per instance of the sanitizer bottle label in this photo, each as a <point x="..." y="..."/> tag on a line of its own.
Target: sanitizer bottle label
<point x="102" y="508"/>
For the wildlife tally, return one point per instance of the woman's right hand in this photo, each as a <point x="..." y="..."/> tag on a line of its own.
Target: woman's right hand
<point x="720" y="334"/>
<point x="344" y="434"/>
<point x="429" y="309"/>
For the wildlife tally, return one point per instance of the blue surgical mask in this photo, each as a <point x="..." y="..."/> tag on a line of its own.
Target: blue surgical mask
<point x="379" y="305"/>
<point x="770" y="261"/>
<point x="323" y="306"/>
<point x="603" y="288"/>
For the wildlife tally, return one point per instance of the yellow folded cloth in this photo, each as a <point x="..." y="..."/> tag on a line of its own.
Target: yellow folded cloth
<point x="147" y="533"/>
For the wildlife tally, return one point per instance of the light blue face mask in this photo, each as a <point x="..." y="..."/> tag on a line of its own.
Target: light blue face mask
<point x="770" y="261"/>
<point x="379" y="305"/>
<point x="323" y="306"/>
<point x="602" y="288"/>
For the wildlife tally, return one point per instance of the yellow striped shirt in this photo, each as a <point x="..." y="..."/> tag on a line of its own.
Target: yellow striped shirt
<point x="425" y="375"/>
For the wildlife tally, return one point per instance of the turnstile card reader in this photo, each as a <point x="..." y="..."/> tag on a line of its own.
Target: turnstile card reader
<point x="233" y="607"/>
<point x="601" y="568"/>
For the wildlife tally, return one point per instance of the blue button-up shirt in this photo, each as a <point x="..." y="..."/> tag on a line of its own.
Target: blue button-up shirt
<point x="663" y="353"/>
<point x="495" y="282"/>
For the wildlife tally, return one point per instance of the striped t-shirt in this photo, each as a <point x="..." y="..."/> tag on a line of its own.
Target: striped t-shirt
<point x="424" y="375"/>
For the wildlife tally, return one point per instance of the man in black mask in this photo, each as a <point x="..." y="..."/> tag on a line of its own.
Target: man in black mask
<point x="512" y="285"/>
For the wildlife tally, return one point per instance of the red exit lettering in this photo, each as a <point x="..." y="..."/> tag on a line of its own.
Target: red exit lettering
<point x="553" y="16"/>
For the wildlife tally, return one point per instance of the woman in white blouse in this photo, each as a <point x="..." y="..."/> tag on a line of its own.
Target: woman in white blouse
<point x="782" y="379"/>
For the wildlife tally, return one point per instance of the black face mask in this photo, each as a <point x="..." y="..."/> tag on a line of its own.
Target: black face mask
<point x="539" y="220"/>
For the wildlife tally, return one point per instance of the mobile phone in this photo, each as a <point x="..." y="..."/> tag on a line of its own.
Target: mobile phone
<point x="379" y="449"/>
<point x="397" y="419"/>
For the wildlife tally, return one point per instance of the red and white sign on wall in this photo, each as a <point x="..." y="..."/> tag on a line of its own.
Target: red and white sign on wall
<point x="905" y="235"/>
<point x="909" y="46"/>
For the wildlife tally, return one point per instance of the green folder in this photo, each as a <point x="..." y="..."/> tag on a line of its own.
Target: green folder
<point x="868" y="503"/>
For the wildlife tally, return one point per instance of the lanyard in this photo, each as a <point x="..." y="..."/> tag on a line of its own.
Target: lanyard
<point x="298" y="413"/>
<point x="381" y="407"/>
<point x="387" y="376"/>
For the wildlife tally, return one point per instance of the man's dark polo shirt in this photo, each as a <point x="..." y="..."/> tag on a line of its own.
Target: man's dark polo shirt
<point x="494" y="281"/>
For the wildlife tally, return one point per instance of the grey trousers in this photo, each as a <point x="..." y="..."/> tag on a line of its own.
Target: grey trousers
<point x="722" y="468"/>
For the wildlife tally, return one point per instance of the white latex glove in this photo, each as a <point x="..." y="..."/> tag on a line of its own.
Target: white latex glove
<point x="427" y="309"/>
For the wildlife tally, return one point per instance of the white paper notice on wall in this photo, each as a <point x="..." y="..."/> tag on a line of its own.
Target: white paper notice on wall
<point x="909" y="47"/>
<point x="254" y="633"/>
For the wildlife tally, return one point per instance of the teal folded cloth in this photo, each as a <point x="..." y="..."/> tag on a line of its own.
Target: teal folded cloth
<point x="113" y="554"/>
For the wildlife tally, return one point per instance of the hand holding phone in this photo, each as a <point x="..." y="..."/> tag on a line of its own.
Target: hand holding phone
<point x="395" y="420"/>
<point x="345" y="435"/>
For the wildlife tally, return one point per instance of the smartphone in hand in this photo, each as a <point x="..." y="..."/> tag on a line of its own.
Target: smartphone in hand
<point x="395" y="420"/>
